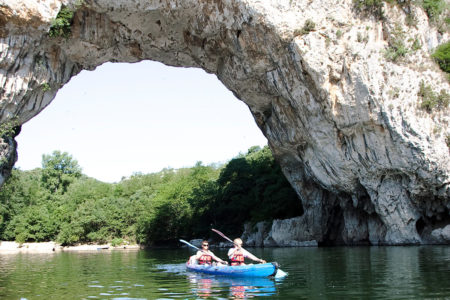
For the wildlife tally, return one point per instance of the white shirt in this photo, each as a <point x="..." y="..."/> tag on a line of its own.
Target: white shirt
<point x="243" y="251"/>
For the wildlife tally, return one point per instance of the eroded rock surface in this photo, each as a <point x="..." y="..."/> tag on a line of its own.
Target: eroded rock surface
<point x="344" y="122"/>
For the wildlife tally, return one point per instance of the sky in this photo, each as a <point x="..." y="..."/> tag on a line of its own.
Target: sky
<point x="121" y="119"/>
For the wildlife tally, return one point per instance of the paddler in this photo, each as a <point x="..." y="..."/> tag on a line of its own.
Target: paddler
<point x="205" y="256"/>
<point x="237" y="254"/>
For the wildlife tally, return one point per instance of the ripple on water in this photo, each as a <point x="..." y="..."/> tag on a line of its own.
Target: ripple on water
<point x="369" y="273"/>
<point x="127" y="298"/>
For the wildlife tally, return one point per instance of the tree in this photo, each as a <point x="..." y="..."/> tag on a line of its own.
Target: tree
<point x="58" y="171"/>
<point x="21" y="190"/>
<point x="58" y="202"/>
<point x="253" y="188"/>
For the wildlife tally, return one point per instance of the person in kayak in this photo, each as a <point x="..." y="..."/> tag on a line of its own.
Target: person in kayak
<point x="205" y="256"/>
<point x="237" y="254"/>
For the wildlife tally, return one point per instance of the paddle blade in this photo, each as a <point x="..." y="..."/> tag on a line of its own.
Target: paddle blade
<point x="280" y="274"/>
<point x="189" y="244"/>
<point x="222" y="235"/>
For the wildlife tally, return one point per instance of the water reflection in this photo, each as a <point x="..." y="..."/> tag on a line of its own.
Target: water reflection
<point x="237" y="288"/>
<point x="415" y="272"/>
<point x="314" y="273"/>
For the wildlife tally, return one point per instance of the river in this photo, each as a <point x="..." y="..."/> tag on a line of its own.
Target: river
<point x="314" y="273"/>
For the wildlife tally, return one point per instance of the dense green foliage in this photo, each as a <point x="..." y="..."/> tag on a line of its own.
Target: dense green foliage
<point x="433" y="8"/>
<point x="58" y="171"/>
<point x="61" y="25"/>
<point x="57" y="202"/>
<point x="9" y="128"/>
<point x="252" y="188"/>
<point x="442" y="56"/>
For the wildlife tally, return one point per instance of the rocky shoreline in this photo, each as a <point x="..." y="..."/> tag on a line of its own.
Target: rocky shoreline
<point x="7" y="247"/>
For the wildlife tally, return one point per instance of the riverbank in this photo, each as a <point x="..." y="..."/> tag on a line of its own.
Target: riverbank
<point x="49" y="247"/>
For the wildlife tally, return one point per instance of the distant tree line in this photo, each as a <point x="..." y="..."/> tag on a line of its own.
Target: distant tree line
<point x="57" y="202"/>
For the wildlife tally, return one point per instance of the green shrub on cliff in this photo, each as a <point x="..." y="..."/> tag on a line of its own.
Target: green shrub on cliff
<point x="431" y="100"/>
<point x="433" y="8"/>
<point x="442" y="56"/>
<point x="437" y="10"/>
<point x="397" y="47"/>
<point x="373" y="7"/>
<point x="9" y="128"/>
<point x="45" y="87"/>
<point x="61" y="25"/>
<point x="307" y="28"/>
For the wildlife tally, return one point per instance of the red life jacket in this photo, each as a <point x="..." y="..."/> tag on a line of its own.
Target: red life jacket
<point x="237" y="259"/>
<point x="205" y="259"/>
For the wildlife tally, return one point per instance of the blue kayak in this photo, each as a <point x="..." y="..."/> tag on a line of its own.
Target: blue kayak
<point x="259" y="270"/>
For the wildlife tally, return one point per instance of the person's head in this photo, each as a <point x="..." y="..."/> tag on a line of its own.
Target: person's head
<point x="205" y="245"/>
<point x="238" y="242"/>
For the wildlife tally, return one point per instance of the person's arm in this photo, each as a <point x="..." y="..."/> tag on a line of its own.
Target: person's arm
<point x="231" y="252"/>
<point x="252" y="257"/>
<point x="198" y="255"/>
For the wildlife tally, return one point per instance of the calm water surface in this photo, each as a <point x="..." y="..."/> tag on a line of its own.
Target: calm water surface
<point x="314" y="273"/>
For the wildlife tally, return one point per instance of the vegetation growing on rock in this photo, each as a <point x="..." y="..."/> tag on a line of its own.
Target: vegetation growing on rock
<point x="45" y="87"/>
<point x="307" y="28"/>
<point x="9" y="129"/>
<point x="374" y="7"/>
<point x="434" y="8"/>
<point x="397" y="47"/>
<point x="442" y="56"/>
<point x="432" y="100"/>
<point x="61" y="25"/>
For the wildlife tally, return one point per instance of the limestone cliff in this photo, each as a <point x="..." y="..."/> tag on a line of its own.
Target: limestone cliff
<point x="340" y="111"/>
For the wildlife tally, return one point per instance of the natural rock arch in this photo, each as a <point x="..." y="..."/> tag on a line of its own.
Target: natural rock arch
<point x="344" y="123"/>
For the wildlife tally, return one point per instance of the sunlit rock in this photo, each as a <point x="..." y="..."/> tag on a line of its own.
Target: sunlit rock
<point x="254" y="235"/>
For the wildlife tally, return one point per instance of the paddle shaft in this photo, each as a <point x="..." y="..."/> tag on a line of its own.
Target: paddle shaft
<point x="189" y="244"/>
<point x="222" y="235"/>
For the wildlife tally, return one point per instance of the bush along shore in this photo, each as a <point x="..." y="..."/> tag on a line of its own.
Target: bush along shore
<point x="59" y="203"/>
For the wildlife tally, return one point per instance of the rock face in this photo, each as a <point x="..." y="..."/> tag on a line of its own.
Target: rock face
<point x="280" y="233"/>
<point x="344" y="122"/>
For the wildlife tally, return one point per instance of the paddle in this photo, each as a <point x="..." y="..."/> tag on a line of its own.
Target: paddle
<point x="279" y="273"/>
<point x="189" y="244"/>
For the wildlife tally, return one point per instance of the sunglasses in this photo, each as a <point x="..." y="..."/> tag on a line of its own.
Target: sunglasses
<point x="205" y="245"/>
